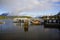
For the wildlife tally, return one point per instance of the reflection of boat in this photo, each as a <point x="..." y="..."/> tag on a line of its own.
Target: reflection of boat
<point x="52" y="25"/>
<point x="26" y="26"/>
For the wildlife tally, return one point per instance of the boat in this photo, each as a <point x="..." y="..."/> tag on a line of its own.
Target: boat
<point x="36" y="22"/>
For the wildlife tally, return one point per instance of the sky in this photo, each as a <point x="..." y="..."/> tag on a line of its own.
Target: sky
<point x="30" y="7"/>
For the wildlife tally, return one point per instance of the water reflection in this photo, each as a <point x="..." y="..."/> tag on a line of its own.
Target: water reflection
<point x="17" y="24"/>
<point x="52" y="26"/>
<point x="25" y="26"/>
<point x="17" y="31"/>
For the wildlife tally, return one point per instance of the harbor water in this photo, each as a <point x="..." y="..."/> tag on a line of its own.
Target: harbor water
<point x="17" y="31"/>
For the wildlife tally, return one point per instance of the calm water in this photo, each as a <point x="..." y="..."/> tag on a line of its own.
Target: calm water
<point x="16" y="31"/>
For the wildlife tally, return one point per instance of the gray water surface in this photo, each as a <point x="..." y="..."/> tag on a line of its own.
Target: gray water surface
<point x="16" y="31"/>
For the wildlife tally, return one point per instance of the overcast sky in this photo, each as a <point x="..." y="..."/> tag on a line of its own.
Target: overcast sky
<point x="30" y="7"/>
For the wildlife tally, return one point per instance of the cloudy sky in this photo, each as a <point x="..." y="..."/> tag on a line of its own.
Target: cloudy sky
<point x="30" y="7"/>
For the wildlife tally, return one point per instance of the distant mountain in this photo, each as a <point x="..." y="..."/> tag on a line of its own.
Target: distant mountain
<point x="58" y="13"/>
<point x="4" y="14"/>
<point x="38" y="17"/>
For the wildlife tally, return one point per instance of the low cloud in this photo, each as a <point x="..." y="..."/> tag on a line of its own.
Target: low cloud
<point x="17" y="6"/>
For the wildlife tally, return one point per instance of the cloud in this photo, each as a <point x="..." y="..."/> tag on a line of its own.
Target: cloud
<point x="55" y="0"/>
<point x="17" y="6"/>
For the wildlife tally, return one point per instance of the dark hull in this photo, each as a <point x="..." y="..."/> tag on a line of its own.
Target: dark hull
<point x="52" y="25"/>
